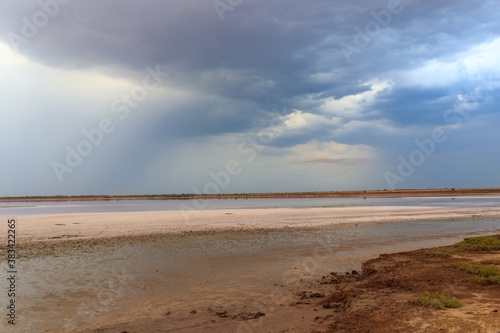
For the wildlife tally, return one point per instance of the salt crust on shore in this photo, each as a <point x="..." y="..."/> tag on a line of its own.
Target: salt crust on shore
<point x="36" y="228"/>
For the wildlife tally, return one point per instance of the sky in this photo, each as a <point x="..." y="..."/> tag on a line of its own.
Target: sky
<point x="225" y="96"/>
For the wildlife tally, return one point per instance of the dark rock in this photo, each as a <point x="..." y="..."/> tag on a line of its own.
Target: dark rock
<point x="331" y="306"/>
<point x="255" y="315"/>
<point x="369" y="271"/>
<point x="259" y="314"/>
<point x="249" y="316"/>
<point x="222" y="314"/>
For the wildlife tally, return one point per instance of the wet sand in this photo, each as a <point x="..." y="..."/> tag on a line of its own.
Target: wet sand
<point x="90" y="226"/>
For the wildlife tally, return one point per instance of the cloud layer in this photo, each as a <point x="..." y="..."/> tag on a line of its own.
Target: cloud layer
<point x="327" y="96"/>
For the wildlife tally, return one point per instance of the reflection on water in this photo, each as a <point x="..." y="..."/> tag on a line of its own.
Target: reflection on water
<point x="70" y="207"/>
<point x="181" y="273"/>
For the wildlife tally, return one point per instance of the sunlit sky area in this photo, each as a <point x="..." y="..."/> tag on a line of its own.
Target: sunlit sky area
<point x="150" y="97"/>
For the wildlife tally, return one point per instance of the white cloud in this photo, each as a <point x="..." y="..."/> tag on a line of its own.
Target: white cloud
<point x="477" y="63"/>
<point x="383" y="125"/>
<point x="334" y="164"/>
<point x="303" y="120"/>
<point x="355" y="106"/>
<point x="328" y="151"/>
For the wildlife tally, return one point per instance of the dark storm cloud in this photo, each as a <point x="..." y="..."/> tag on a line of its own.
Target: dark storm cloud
<point x="206" y="118"/>
<point x="414" y="106"/>
<point x="262" y="51"/>
<point x="267" y="55"/>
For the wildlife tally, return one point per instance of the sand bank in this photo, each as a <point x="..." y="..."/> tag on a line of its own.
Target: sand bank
<point x="37" y="228"/>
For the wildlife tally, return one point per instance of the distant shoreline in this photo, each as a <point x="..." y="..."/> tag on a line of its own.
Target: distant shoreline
<point x="330" y="194"/>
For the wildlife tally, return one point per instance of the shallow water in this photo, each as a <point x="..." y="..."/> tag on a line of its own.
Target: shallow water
<point x="70" y="207"/>
<point x="229" y="269"/>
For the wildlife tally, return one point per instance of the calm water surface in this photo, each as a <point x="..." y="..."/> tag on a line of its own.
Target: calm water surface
<point x="69" y="207"/>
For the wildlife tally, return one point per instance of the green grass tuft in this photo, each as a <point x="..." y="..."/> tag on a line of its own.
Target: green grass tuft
<point x="488" y="243"/>
<point x="435" y="301"/>
<point x="482" y="274"/>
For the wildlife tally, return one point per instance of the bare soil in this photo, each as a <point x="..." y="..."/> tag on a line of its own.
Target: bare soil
<point x="377" y="299"/>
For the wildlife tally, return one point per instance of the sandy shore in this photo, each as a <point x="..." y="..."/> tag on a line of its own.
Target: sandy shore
<point x="37" y="228"/>
<point x="119" y="272"/>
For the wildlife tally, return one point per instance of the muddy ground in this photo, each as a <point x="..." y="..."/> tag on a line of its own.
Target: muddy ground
<point x="376" y="299"/>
